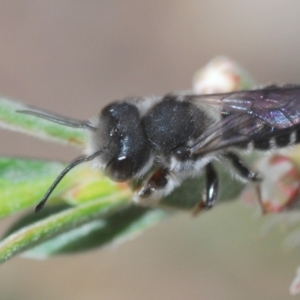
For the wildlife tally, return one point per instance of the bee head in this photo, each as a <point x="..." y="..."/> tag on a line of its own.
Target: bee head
<point x="124" y="143"/>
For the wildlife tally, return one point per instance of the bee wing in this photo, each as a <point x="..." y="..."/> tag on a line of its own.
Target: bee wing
<point x="276" y="106"/>
<point x="248" y="115"/>
<point x="233" y="130"/>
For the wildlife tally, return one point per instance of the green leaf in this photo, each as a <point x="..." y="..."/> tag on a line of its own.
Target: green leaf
<point x="118" y="227"/>
<point x="23" y="182"/>
<point x="11" y="119"/>
<point x="61" y="222"/>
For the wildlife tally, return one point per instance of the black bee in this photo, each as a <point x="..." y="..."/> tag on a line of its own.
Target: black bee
<point x="161" y="141"/>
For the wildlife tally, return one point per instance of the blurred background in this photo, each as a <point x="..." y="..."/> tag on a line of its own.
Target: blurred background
<point x="73" y="57"/>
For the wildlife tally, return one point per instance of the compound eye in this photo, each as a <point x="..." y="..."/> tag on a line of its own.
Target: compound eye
<point x="120" y="169"/>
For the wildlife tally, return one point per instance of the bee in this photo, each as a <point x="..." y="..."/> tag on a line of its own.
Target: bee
<point x="161" y="141"/>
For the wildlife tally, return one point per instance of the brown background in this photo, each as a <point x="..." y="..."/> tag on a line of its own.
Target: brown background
<point x="72" y="57"/>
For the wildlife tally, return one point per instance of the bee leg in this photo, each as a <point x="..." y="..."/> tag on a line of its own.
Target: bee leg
<point x="152" y="191"/>
<point x="242" y="168"/>
<point x="248" y="174"/>
<point x="212" y="189"/>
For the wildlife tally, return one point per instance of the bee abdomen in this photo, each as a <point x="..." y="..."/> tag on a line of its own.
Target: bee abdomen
<point x="274" y="142"/>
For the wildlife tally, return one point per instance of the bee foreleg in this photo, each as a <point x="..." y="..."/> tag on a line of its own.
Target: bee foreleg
<point x="153" y="188"/>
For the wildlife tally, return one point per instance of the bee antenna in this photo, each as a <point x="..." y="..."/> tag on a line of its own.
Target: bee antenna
<point x="74" y="163"/>
<point x="59" y="119"/>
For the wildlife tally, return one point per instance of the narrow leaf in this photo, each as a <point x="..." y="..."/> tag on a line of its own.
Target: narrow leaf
<point x="120" y="226"/>
<point x="48" y="228"/>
